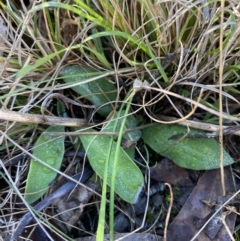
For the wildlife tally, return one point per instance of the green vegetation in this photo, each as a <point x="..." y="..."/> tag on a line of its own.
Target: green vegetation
<point x="50" y="150"/>
<point x="119" y="67"/>
<point x="192" y="153"/>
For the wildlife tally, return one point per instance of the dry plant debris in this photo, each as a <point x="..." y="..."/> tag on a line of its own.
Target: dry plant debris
<point x="181" y="61"/>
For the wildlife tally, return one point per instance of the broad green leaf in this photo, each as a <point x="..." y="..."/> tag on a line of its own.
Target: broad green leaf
<point x="131" y="122"/>
<point x="191" y="153"/>
<point x="129" y="178"/>
<point x="129" y="138"/>
<point x="99" y="91"/>
<point x="49" y="149"/>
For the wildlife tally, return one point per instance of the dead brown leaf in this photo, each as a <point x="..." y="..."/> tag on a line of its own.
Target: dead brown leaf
<point x="200" y="205"/>
<point x="168" y="172"/>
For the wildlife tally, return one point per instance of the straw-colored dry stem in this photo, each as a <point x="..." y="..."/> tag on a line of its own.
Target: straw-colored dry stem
<point x="41" y="119"/>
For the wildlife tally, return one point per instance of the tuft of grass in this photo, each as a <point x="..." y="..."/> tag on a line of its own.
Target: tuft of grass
<point x="172" y="45"/>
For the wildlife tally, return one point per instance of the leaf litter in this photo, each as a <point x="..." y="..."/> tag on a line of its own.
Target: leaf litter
<point x="201" y="205"/>
<point x="205" y="198"/>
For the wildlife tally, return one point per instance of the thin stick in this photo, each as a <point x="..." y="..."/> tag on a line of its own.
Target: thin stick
<point x="14" y="116"/>
<point x="168" y="213"/>
<point x="221" y="64"/>
<point x="214" y="214"/>
<point x="234" y="130"/>
<point x="223" y="218"/>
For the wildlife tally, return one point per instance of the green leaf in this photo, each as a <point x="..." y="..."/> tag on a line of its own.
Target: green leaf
<point x="49" y="149"/>
<point x="99" y="91"/>
<point x="191" y="153"/>
<point x="131" y="122"/>
<point x="129" y="178"/>
<point x="131" y="137"/>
